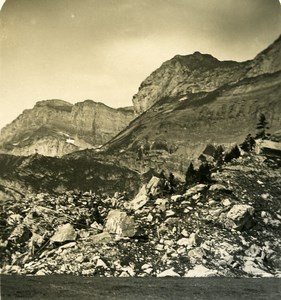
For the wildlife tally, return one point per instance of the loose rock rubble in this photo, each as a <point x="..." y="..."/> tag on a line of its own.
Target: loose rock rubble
<point x="227" y="227"/>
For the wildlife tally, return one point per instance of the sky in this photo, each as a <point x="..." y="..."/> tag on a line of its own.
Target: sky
<point x="103" y="49"/>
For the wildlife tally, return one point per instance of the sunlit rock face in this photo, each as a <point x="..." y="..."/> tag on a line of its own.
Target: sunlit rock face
<point x="195" y="100"/>
<point x="186" y="74"/>
<point x="56" y="127"/>
<point x="201" y="73"/>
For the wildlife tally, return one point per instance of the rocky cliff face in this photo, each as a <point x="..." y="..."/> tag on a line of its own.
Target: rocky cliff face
<point x="201" y="73"/>
<point x="268" y="61"/>
<point x="56" y="127"/>
<point x="195" y="100"/>
<point x="97" y="123"/>
<point x="176" y="129"/>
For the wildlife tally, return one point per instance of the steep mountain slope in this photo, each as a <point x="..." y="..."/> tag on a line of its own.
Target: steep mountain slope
<point x="196" y="100"/>
<point x="268" y="61"/>
<point x="56" y="127"/>
<point x="176" y="129"/>
<point x="37" y="173"/>
<point x="201" y="73"/>
<point x="186" y="74"/>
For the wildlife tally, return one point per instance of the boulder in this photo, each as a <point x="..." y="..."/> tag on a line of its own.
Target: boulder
<point x="149" y="189"/>
<point x="64" y="233"/>
<point x="153" y="186"/>
<point x="175" y="198"/>
<point x="196" y="254"/>
<point x="161" y="203"/>
<point x="252" y="268"/>
<point x="168" y="273"/>
<point x="102" y="238"/>
<point x="226" y="202"/>
<point x="253" y="251"/>
<point x="128" y="270"/>
<point x="120" y="223"/>
<point x="101" y="264"/>
<point x="68" y="245"/>
<point x="183" y="242"/>
<point x="140" y="200"/>
<point x="201" y="271"/>
<point x="218" y="187"/>
<point x="196" y="189"/>
<point x="193" y="240"/>
<point x="239" y="216"/>
<point x="41" y="273"/>
<point x="20" y="234"/>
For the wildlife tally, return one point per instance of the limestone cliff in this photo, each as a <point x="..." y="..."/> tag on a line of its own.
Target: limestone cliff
<point x="176" y="129"/>
<point x="268" y="61"/>
<point x="201" y="73"/>
<point x="195" y="100"/>
<point x="56" y="127"/>
<point x="97" y="123"/>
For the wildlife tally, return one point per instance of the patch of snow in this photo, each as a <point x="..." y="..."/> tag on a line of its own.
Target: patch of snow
<point x="70" y="141"/>
<point x="183" y="98"/>
<point x="65" y="134"/>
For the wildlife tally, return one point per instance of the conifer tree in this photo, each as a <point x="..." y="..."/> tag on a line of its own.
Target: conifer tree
<point x="261" y="127"/>
<point x="190" y="175"/>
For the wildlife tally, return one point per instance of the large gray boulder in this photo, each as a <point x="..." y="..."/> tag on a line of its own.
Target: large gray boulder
<point x="239" y="216"/>
<point x="120" y="223"/>
<point x="64" y="233"/>
<point x="151" y="188"/>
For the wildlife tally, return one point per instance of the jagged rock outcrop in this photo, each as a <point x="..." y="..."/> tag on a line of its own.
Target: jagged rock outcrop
<point x="56" y="127"/>
<point x="201" y="73"/>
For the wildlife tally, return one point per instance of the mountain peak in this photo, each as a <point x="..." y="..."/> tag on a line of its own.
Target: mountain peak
<point x="196" y="56"/>
<point x="53" y="103"/>
<point x="200" y="55"/>
<point x="198" y="72"/>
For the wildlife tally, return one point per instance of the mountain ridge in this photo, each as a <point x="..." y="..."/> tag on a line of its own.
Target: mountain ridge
<point x="64" y="128"/>
<point x="181" y="127"/>
<point x="202" y="72"/>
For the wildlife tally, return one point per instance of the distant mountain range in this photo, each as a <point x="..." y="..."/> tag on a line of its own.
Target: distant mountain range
<point x="56" y="127"/>
<point x="189" y="102"/>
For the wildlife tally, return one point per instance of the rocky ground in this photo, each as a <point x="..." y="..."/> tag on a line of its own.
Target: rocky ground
<point x="227" y="226"/>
